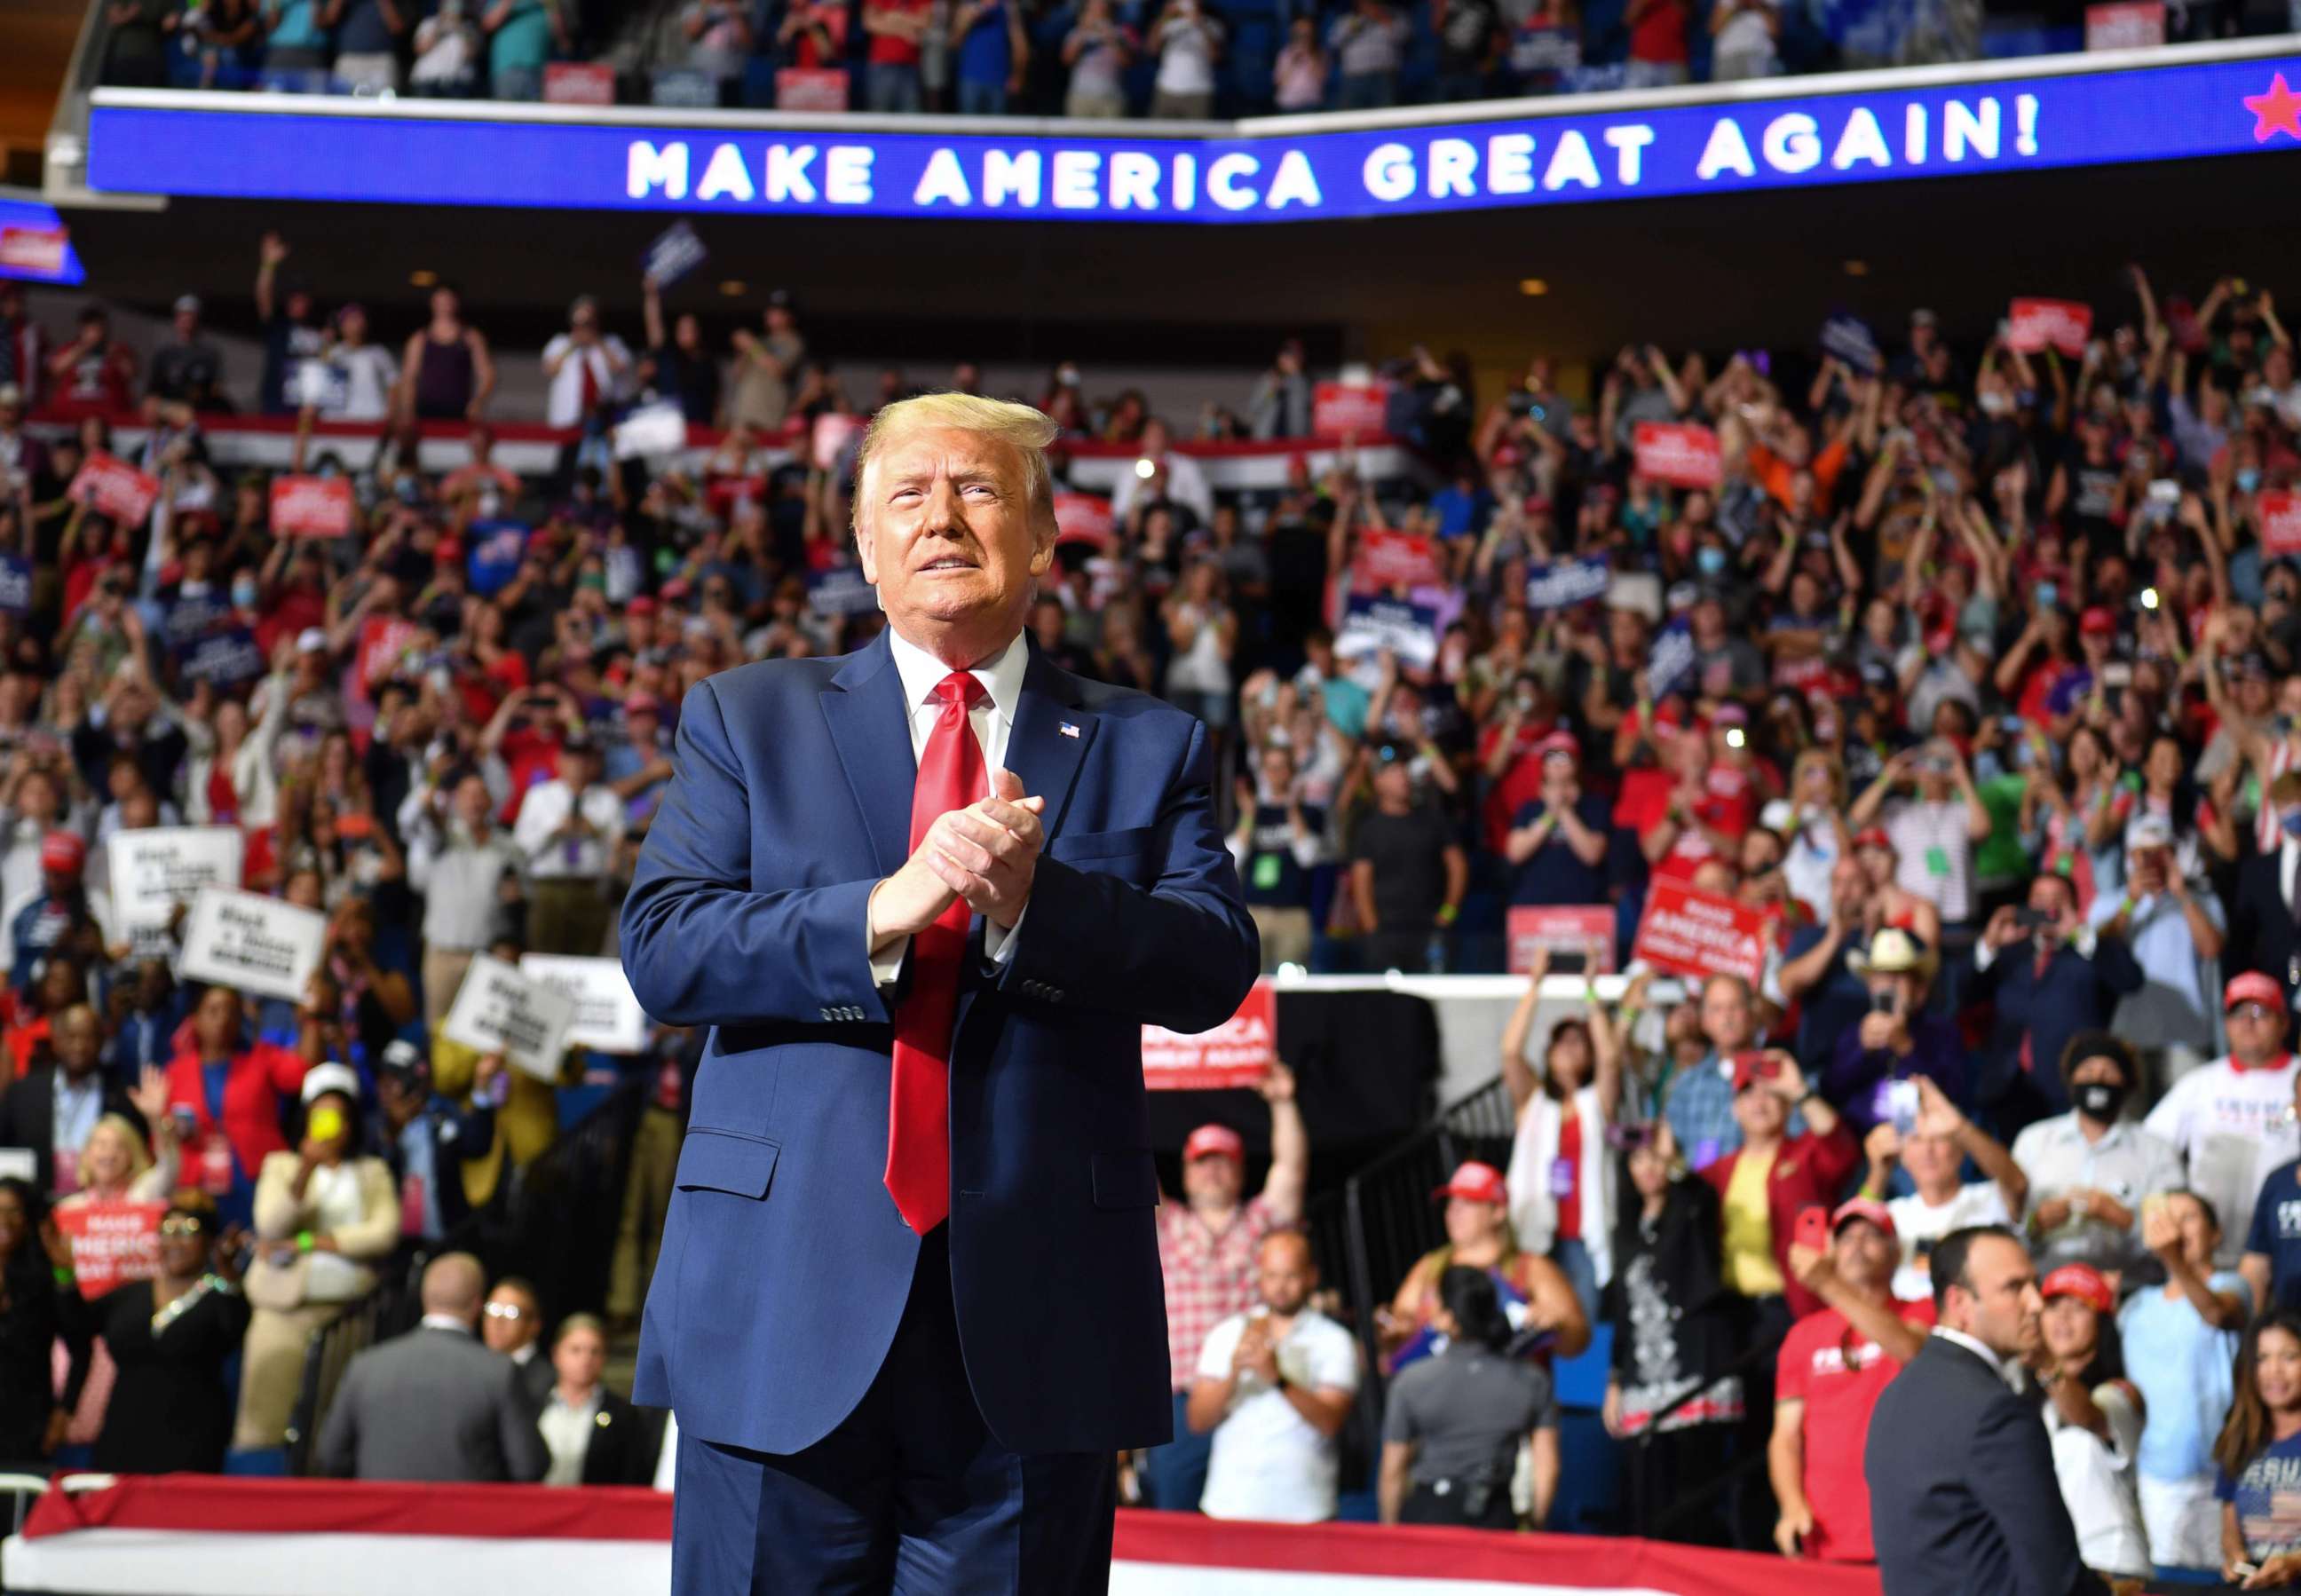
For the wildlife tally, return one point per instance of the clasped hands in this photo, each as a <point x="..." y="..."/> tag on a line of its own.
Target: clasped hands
<point x="985" y="854"/>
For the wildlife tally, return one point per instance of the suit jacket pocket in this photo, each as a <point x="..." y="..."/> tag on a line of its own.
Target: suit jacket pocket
<point x="1072" y="847"/>
<point x="727" y="1161"/>
<point x="1126" y="1179"/>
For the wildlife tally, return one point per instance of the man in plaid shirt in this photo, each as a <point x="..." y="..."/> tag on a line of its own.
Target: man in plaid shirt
<point x="1208" y="1245"/>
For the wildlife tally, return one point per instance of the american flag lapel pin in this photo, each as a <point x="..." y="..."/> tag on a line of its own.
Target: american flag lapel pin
<point x="1067" y="729"/>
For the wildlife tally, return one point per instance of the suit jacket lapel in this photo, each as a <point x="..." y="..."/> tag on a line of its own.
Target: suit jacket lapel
<point x="1050" y="736"/>
<point x="865" y="712"/>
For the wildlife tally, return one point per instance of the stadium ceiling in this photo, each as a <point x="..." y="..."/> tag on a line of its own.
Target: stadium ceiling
<point x="1715" y="271"/>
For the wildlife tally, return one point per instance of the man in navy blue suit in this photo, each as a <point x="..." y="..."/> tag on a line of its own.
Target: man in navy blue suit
<point x="925" y="896"/>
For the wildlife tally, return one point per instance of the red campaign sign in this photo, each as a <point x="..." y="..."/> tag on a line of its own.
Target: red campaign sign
<point x="1388" y="559"/>
<point x="578" y="83"/>
<point x="2278" y="515"/>
<point x="35" y="249"/>
<point x="810" y="88"/>
<point x="1082" y="518"/>
<point x="1345" y="409"/>
<point x="2032" y="325"/>
<point x="312" y="506"/>
<point x="1681" y="454"/>
<point x="832" y="433"/>
<point x="112" y="487"/>
<point x="1686" y="932"/>
<point x="1238" y="1052"/>
<point x="2133" y="26"/>
<point x="1561" y="928"/>
<point x="112" y="1243"/>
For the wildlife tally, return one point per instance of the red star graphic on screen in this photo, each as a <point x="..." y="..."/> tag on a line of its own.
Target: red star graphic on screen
<point x="2277" y="111"/>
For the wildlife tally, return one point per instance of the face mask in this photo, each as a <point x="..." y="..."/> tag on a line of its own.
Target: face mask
<point x="243" y="595"/>
<point x="1709" y="561"/>
<point x="594" y="582"/>
<point x="2248" y="478"/>
<point x="2101" y="1100"/>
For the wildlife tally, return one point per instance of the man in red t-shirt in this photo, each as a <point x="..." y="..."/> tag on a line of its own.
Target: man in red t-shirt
<point x="891" y="73"/>
<point x="1832" y="1367"/>
<point x="1701" y="815"/>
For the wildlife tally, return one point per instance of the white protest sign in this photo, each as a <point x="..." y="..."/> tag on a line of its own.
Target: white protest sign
<point x="251" y="943"/>
<point x="651" y="429"/>
<point x="499" y="1010"/>
<point x="607" y="1013"/>
<point x="157" y="868"/>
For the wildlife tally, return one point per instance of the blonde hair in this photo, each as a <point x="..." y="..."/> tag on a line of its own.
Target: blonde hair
<point x="1028" y="430"/>
<point x="139" y="1161"/>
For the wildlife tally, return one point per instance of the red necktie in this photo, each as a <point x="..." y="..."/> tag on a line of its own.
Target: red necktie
<point x="951" y="776"/>
<point x="590" y="397"/>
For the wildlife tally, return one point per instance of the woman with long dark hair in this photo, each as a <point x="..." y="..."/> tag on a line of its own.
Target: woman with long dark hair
<point x="1668" y="1392"/>
<point x="2258" y="1453"/>
<point x="2093" y="1417"/>
<point x="1455" y="1420"/>
<point x="39" y="1303"/>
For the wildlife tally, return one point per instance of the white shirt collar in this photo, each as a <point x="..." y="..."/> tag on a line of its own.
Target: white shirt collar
<point x="2009" y="1373"/>
<point x="1000" y="674"/>
<point x="445" y="1321"/>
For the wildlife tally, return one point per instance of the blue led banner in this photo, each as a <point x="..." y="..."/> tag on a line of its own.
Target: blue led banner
<point x="1737" y="144"/>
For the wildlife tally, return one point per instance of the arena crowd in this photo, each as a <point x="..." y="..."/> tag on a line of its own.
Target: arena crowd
<point x="1972" y="682"/>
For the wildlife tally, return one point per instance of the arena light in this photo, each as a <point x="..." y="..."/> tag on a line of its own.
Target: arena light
<point x="735" y="289"/>
<point x="422" y="278"/>
<point x="1533" y="287"/>
<point x="1857" y="268"/>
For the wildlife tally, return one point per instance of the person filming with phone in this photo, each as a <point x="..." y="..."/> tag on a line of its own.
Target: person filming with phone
<point x="1898" y="1040"/>
<point x="2051" y="975"/>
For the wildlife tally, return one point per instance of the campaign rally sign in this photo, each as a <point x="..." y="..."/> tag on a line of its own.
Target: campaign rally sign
<point x="2035" y="325"/>
<point x="1238" y="1052"/>
<point x="225" y="658"/>
<point x="1563" y="584"/>
<point x="15" y="585"/>
<point x="2278" y="515"/>
<point x="155" y="869"/>
<point x="1370" y="625"/>
<point x="251" y="943"/>
<point x="1349" y="410"/>
<point x="112" y="487"/>
<point x="312" y="506"/>
<point x="1681" y="454"/>
<point x="1686" y="932"/>
<point x="1084" y="518"/>
<point x="675" y="252"/>
<point x="1391" y="559"/>
<point x="840" y="591"/>
<point x="607" y="1017"/>
<point x="2125" y="25"/>
<point x="1849" y="338"/>
<point x="1671" y="658"/>
<point x="651" y="430"/>
<point x="833" y="433"/>
<point x="112" y="1243"/>
<point x="1585" y="930"/>
<point x="499" y="1010"/>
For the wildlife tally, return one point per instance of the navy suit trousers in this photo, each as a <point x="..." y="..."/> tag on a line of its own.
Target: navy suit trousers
<point x="909" y="1494"/>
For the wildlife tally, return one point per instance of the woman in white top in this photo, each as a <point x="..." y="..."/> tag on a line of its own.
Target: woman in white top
<point x="1562" y="1169"/>
<point x="1819" y="839"/>
<point x="2094" y="1416"/>
<point x="231" y="777"/>
<point x="322" y="1214"/>
<point x="114" y="1167"/>
<point x="1203" y="631"/>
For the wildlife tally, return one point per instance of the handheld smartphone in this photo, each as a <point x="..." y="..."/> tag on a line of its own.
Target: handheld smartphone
<point x="1812" y="1229"/>
<point x="1886" y="1002"/>
<point x="1899" y="1101"/>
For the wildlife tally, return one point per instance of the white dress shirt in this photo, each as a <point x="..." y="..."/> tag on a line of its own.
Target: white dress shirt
<point x="993" y="719"/>
<point x="553" y="858"/>
<point x="567" y="1435"/>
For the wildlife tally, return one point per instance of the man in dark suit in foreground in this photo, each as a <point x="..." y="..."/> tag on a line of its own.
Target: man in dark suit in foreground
<point x="1963" y="1495"/>
<point x="434" y="1404"/>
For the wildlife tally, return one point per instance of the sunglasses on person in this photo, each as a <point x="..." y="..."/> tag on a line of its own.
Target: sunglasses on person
<point x="504" y="1311"/>
<point x="183" y="1225"/>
